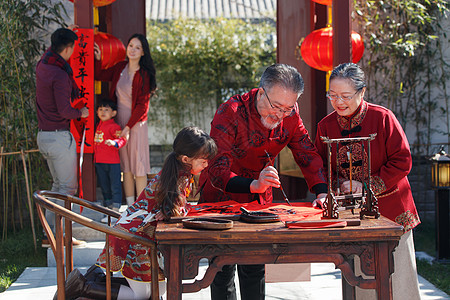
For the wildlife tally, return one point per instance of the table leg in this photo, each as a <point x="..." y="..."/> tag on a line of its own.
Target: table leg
<point x="174" y="273"/>
<point x="348" y="291"/>
<point x="382" y="273"/>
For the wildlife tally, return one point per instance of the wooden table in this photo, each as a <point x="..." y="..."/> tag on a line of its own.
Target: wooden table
<point x="271" y="243"/>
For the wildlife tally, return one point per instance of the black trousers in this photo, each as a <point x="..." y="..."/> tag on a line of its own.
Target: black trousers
<point x="251" y="283"/>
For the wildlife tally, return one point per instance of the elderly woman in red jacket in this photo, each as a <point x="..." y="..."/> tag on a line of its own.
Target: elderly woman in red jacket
<point x="390" y="164"/>
<point x="133" y="82"/>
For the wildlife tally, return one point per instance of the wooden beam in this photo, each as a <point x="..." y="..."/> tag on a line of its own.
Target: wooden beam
<point x="342" y="28"/>
<point x="83" y="13"/>
<point x="122" y="12"/>
<point x="84" y="17"/>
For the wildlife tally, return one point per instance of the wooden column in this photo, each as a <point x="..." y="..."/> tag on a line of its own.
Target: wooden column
<point x="319" y="100"/>
<point x="127" y="18"/>
<point x="84" y="17"/>
<point x="342" y="27"/>
<point x="295" y="20"/>
<point x="83" y="13"/>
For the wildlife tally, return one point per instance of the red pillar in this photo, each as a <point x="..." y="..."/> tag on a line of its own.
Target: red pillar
<point x="83" y="17"/>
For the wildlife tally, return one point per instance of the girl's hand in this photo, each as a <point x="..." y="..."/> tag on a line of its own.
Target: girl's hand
<point x="97" y="52"/>
<point x="267" y="178"/>
<point x="159" y="216"/>
<point x="125" y="132"/>
<point x="356" y="187"/>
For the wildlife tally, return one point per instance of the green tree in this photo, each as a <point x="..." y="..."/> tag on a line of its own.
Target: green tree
<point x="201" y="63"/>
<point x="406" y="69"/>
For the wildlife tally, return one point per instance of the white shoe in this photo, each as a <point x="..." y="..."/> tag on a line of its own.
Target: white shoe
<point x="76" y="242"/>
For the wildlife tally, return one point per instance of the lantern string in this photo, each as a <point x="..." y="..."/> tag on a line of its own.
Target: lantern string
<point x="96" y="21"/>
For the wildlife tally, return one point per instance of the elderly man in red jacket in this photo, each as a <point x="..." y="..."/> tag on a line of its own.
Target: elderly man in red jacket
<point x="250" y="130"/>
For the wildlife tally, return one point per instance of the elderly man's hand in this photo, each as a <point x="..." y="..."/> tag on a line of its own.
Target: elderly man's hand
<point x="267" y="178"/>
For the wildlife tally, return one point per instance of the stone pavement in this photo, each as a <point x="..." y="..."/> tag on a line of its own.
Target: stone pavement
<point x="40" y="284"/>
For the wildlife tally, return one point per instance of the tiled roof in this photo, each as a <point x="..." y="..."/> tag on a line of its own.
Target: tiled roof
<point x="163" y="10"/>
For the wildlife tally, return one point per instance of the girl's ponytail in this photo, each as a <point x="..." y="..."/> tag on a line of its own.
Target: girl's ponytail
<point x="167" y="194"/>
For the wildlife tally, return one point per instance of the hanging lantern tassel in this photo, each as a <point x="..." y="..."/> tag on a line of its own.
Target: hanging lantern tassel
<point x="327" y="84"/>
<point x="98" y="3"/>
<point x="98" y="87"/>
<point x="324" y="2"/>
<point x="96" y="19"/>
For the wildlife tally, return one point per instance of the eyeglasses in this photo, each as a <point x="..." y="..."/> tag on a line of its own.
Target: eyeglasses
<point x="334" y="97"/>
<point x="284" y="112"/>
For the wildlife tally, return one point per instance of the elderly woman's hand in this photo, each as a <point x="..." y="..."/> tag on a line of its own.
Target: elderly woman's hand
<point x="356" y="187"/>
<point x="318" y="202"/>
<point x="267" y="178"/>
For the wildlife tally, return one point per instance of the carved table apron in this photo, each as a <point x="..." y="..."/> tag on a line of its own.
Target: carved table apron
<point x="373" y="241"/>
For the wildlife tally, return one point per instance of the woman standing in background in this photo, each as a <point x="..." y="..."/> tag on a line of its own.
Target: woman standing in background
<point x="133" y="82"/>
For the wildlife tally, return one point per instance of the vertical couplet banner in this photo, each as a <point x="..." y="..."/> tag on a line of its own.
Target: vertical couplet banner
<point x="82" y="63"/>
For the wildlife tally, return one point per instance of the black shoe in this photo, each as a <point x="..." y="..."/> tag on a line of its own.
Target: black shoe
<point x="95" y="273"/>
<point x="74" y="285"/>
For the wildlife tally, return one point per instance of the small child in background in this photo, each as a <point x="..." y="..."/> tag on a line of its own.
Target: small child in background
<point x="106" y="155"/>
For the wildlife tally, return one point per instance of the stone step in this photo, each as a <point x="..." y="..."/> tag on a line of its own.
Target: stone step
<point x="85" y="233"/>
<point x="85" y="255"/>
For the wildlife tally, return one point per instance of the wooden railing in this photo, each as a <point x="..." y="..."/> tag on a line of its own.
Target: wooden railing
<point x="58" y="239"/>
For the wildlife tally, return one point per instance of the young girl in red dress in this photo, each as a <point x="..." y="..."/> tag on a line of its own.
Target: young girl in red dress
<point x="164" y="197"/>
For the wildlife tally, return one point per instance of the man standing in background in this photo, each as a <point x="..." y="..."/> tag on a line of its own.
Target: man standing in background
<point x="55" y="89"/>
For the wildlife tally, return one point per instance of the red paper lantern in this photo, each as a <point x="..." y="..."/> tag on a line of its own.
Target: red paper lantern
<point x="324" y="2"/>
<point x="113" y="50"/>
<point x="317" y="49"/>
<point x="99" y="3"/>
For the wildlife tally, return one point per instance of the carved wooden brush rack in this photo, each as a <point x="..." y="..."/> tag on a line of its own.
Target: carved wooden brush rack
<point x="336" y="201"/>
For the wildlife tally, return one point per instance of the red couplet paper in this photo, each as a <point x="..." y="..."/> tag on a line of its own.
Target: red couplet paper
<point x="82" y="63"/>
<point x="297" y="212"/>
<point x="316" y="224"/>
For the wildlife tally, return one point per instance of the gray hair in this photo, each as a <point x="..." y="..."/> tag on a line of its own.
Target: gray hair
<point x="352" y="72"/>
<point x="284" y="75"/>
